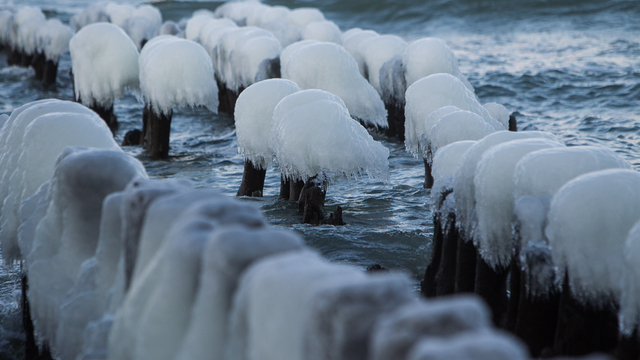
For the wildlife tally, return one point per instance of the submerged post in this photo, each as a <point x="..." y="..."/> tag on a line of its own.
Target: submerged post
<point x="252" y="180"/>
<point x="155" y="132"/>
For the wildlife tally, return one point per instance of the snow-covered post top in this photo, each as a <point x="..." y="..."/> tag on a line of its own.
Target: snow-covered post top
<point x="463" y="185"/>
<point x="324" y="30"/>
<point x="105" y="63"/>
<point x="493" y="183"/>
<point x="375" y="51"/>
<point x="329" y="67"/>
<point x="589" y="220"/>
<point x="177" y="72"/>
<point x="429" y="56"/>
<point x="313" y="131"/>
<point x="253" y="115"/>
<point x="445" y="164"/>
<point x="53" y="39"/>
<point x="429" y="94"/>
<point x="26" y="22"/>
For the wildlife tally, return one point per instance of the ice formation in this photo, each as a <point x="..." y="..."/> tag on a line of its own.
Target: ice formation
<point x="493" y="183"/>
<point x="326" y="31"/>
<point x="329" y="67"/>
<point x="52" y="39"/>
<point x="589" y="220"/>
<point x="430" y="56"/>
<point x="498" y="112"/>
<point x="482" y="345"/>
<point x="431" y="93"/>
<point x="26" y="22"/>
<point x="226" y="256"/>
<point x="92" y="14"/>
<point x="630" y="285"/>
<point x="545" y="171"/>
<point x="446" y="160"/>
<point x="375" y="51"/>
<point x="288" y="52"/>
<point x="301" y="17"/>
<point x="68" y="233"/>
<point x="27" y="155"/>
<point x="253" y="115"/>
<point x="456" y="126"/>
<point x="105" y="63"/>
<point x="119" y="13"/>
<point x="395" y="333"/>
<point x="463" y="187"/>
<point x="317" y="133"/>
<point x="175" y="72"/>
<point x="352" y="39"/>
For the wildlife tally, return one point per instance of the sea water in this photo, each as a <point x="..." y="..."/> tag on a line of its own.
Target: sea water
<point x="569" y="67"/>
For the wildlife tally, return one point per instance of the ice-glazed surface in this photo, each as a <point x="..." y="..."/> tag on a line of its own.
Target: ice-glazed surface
<point x="319" y="134"/>
<point x="589" y="220"/>
<point x="253" y="114"/>
<point x="105" y="63"/>
<point x="446" y="160"/>
<point x="463" y="185"/>
<point x="176" y="72"/>
<point x="429" y="56"/>
<point x="493" y="182"/>
<point x="301" y="17"/>
<point x="375" y="51"/>
<point x="68" y="234"/>
<point x="53" y="39"/>
<point x="119" y="13"/>
<point x="478" y="345"/>
<point x="329" y="67"/>
<point x="395" y="334"/>
<point x="228" y="253"/>
<point x="326" y="31"/>
<point x="456" y="126"/>
<point x="288" y="52"/>
<point x="498" y="112"/>
<point x="92" y="14"/>
<point x="545" y="171"/>
<point x="26" y="22"/>
<point x="352" y="39"/>
<point x="276" y="293"/>
<point x="630" y="285"/>
<point x="431" y="93"/>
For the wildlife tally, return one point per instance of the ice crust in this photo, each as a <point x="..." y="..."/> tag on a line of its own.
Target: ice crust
<point x="493" y="183"/>
<point x="448" y="157"/>
<point x="428" y="56"/>
<point x="351" y="41"/>
<point x="630" y="288"/>
<point x="329" y="67"/>
<point x="105" y="63"/>
<point x="52" y="39"/>
<point x="253" y="115"/>
<point x="313" y="132"/>
<point x="453" y="127"/>
<point x="176" y="72"/>
<point x="377" y="50"/>
<point x="483" y="345"/>
<point x="463" y="185"/>
<point x="326" y="31"/>
<point x="431" y="93"/>
<point x="589" y="221"/>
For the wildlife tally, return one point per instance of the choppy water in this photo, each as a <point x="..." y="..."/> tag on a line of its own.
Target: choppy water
<point x="566" y="66"/>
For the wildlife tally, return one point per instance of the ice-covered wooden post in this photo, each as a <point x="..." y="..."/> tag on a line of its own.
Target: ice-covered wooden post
<point x="104" y="63"/>
<point x="173" y="72"/>
<point x="314" y="136"/>
<point x="253" y="115"/>
<point x="52" y="40"/>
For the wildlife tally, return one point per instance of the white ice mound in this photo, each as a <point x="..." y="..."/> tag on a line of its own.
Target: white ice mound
<point x="377" y="50"/>
<point x="589" y="220"/>
<point x="276" y="293"/>
<point x="329" y="67"/>
<point x="431" y="93"/>
<point x="493" y="182"/>
<point x="289" y="51"/>
<point x="53" y="39"/>
<point x="228" y="253"/>
<point x="319" y="134"/>
<point x="118" y="13"/>
<point x="326" y="31"/>
<point x="446" y="160"/>
<point x="430" y="56"/>
<point x="176" y="72"/>
<point x="395" y="334"/>
<point x="105" y="63"/>
<point x="92" y="14"/>
<point x="301" y="17"/>
<point x="498" y="112"/>
<point x="68" y="234"/>
<point x="456" y="126"/>
<point x="26" y="22"/>
<point x="463" y="187"/>
<point x="253" y="115"/>
<point x="352" y="39"/>
<point x="630" y="286"/>
<point x="480" y="345"/>
<point x="545" y="171"/>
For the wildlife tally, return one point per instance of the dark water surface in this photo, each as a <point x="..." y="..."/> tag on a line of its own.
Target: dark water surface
<point x="568" y="67"/>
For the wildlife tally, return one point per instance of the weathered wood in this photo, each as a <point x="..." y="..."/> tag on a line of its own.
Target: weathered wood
<point x="428" y="177"/>
<point x="156" y="132"/>
<point x="465" y="266"/>
<point x="252" y="180"/>
<point x="491" y="285"/>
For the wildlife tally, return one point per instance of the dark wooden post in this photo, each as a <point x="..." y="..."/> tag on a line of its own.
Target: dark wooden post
<point x="428" y="178"/>
<point x="252" y="180"/>
<point x="156" y="132"/>
<point x="465" y="266"/>
<point x="491" y="285"/>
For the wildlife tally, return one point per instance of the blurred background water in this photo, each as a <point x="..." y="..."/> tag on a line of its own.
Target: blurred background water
<point x="570" y="67"/>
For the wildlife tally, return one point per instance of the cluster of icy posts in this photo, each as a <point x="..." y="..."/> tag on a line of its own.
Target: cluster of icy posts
<point x="547" y="234"/>
<point x="29" y="39"/>
<point x="123" y="267"/>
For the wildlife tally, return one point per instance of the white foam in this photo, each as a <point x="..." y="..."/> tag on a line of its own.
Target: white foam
<point x="253" y="115"/>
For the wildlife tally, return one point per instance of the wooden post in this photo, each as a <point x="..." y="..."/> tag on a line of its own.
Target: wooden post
<point x="156" y="132"/>
<point x="491" y="285"/>
<point x="50" y="73"/>
<point x="252" y="180"/>
<point x="428" y="285"/>
<point x="428" y="178"/>
<point x="285" y="187"/>
<point x="465" y="266"/>
<point x="445" y="277"/>
<point x="295" y="190"/>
